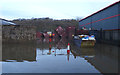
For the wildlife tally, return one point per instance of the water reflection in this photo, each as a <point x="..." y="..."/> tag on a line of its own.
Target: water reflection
<point x="103" y="57"/>
<point x="18" y="52"/>
<point x="53" y="47"/>
<point x="54" y="51"/>
<point x="106" y="58"/>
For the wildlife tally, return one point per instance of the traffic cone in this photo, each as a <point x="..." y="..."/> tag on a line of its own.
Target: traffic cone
<point x="68" y="49"/>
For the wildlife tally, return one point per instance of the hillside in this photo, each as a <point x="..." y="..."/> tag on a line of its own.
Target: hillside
<point x="46" y="24"/>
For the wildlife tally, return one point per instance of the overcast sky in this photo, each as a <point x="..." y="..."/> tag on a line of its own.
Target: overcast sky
<point x="56" y="9"/>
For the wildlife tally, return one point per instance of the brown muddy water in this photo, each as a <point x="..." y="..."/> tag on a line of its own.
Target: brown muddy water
<point x="50" y="56"/>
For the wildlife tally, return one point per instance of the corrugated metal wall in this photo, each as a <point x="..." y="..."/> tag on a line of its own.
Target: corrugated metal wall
<point x="119" y="16"/>
<point x="106" y="24"/>
<point x="104" y="19"/>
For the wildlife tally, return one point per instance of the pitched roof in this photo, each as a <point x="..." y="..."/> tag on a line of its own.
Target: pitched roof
<point x="6" y="22"/>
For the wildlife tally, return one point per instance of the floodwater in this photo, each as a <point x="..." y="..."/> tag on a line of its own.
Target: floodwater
<point x="51" y="56"/>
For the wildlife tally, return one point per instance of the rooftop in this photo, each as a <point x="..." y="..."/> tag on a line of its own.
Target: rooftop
<point x="6" y="22"/>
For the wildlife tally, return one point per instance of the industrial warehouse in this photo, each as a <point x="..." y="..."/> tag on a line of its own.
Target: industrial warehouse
<point x="106" y="22"/>
<point x="47" y="45"/>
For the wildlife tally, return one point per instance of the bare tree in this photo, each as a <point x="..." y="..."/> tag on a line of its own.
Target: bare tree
<point x="78" y="18"/>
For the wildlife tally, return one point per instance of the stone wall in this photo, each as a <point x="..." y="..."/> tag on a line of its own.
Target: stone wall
<point x="18" y="32"/>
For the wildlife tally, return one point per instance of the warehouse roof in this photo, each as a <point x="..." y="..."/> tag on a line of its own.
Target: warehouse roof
<point x="6" y="22"/>
<point x="100" y="10"/>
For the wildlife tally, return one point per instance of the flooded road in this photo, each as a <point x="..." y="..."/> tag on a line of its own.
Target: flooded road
<point x="51" y="56"/>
